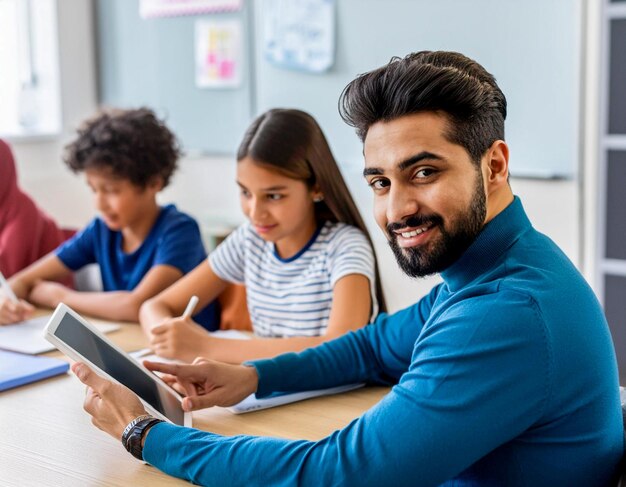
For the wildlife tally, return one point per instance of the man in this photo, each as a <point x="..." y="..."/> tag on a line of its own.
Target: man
<point x="505" y="372"/>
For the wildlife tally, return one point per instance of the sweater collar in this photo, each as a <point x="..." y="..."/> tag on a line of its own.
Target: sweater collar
<point x="495" y="239"/>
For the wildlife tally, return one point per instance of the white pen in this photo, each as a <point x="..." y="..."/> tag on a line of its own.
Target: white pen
<point x="193" y="301"/>
<point x="8" y="292"/>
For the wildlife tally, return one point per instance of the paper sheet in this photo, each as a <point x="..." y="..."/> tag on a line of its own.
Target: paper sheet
<point x="27" y="336"/>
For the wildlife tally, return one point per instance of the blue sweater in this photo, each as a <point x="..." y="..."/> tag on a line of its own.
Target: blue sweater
<point x="506" y="376"/>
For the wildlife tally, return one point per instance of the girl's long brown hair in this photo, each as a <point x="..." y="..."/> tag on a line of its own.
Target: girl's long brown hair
<point x="291" y="142"/>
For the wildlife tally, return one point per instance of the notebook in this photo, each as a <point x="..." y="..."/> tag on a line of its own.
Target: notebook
<point x="27" y="336"/>
<point x="17" y="369"/>
<point x="251" y="403"/>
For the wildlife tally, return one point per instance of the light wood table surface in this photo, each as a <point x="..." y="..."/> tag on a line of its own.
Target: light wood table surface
<point x="46" y="439"/>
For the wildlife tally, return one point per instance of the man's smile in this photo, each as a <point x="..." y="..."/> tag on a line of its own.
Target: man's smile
<point x="412" y="236"/>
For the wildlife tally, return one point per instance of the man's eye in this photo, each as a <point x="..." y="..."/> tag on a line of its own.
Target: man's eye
<point x="244" y="192"/>
<point x="424" y="173"/>
<point x="274" y="196"/>
<point x="378" y="184"/>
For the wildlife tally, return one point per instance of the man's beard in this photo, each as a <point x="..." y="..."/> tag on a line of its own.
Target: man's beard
<point x="437" y="255"/>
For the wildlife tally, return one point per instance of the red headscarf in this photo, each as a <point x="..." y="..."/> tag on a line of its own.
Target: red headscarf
<point x="26" y="232"/>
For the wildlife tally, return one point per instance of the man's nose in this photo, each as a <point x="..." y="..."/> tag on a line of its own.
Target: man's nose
<point x="401" y="204"/>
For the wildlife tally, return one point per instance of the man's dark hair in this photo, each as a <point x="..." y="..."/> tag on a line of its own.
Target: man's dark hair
<point x="430" y="81"/>
<point x="134" y="144"/>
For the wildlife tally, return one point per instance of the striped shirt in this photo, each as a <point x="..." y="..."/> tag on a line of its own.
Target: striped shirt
<point x="293" y="297"/>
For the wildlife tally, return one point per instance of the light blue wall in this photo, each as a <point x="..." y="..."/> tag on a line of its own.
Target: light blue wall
<point x="532" y="47"/>
<point x="151" y="62"/>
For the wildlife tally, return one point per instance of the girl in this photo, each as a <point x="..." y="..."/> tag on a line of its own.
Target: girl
<point x="305" y="256"/>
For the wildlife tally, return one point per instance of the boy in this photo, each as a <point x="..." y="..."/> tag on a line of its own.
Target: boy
<point x="127" y="158"/>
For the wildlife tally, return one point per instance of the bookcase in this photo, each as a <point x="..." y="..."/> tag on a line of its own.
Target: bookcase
<point x="611" y="248"/>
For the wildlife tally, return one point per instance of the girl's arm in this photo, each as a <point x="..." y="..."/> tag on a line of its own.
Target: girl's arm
<point x="171" y="302"/>
<point x="350" y="311"/>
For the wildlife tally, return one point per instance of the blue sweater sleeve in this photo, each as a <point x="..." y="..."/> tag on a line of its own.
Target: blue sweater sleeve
<point x="378" y="353"/>
<point x="446" y="413"/>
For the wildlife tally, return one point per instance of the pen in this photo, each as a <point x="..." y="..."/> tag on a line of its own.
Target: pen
<point x="8" y="292"/>
<point x="193" y="301"/>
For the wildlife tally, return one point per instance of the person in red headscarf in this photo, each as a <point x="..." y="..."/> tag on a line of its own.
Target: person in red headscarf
<point x="26" y="232"/>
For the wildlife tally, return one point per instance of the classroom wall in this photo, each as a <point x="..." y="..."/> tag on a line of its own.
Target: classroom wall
<point x="205" y="186"/>
<point x="38" y="159"/>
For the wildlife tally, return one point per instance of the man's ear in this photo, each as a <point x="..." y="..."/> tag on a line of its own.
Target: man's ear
<point x="496" y="164"/>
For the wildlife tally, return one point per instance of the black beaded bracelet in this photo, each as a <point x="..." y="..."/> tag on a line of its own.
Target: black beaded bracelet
<point x="133" y="440"/>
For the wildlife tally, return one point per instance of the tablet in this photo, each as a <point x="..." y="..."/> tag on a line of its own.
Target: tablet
<point x="81" y="341"/>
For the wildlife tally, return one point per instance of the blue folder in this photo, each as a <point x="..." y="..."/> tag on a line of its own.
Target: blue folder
<point x="17" y="369"/>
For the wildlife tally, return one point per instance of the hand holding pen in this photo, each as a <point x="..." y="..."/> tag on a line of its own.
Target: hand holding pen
<point x="178" y="337"/>
<point x="12" y="309"/>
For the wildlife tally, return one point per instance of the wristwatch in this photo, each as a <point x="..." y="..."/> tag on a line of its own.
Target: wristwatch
<point x="133" y="434"/>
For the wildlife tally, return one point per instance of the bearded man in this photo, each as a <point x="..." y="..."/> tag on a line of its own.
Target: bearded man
<point x="505" y="373"/>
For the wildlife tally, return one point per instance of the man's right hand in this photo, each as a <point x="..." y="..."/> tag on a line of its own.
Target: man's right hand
<point x="209" y="383"/>
<point x="11" y="312"/>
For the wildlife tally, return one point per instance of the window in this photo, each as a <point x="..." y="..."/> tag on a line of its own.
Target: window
<point x="29" y="68"/>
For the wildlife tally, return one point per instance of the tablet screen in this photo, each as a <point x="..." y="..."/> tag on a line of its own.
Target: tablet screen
<point x="118" y="366"/>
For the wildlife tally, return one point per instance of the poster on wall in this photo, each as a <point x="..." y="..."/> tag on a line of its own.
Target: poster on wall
<point x="218" y="53"/>
<point x="300" y="34"/>
<point x="170" y="8"/>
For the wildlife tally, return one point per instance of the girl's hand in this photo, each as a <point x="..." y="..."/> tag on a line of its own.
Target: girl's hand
<point x="209" y="383"/>
<point x="11" y="312"/>
<point x="112" y="406"/>
<point x="180" y="338"/>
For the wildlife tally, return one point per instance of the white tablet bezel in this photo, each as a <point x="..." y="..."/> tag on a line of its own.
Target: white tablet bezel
<point x="49" y="334"/>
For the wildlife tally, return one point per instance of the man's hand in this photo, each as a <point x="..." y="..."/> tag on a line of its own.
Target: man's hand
<point x="180" y="338"/>
<point x="47" y="293"/>
<point x="112" y="406"/>
<point x="11" y="312"/>
<point x="209" y="383"/>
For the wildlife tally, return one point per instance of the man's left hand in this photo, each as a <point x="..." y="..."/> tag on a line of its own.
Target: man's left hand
<point x="112" y="406"/>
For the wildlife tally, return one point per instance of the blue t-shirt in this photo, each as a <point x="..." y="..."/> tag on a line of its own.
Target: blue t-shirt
<point x="506" y="376"/>
<point x="174" y="240"/>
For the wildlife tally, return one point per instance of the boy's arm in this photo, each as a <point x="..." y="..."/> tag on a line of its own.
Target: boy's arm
<point x="48" y="268"/>
<point x="110" y="305"/>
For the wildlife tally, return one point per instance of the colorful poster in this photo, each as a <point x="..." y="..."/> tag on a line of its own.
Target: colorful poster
<point x="300" y="34"/>
<point x="171" y="8"/>
<point x="218" y="54"/>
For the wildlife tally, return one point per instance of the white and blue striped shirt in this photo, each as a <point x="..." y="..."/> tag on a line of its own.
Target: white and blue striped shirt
<point x="293" y="297"/>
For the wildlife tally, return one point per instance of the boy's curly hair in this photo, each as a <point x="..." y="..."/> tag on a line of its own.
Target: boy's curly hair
<point x="134" y="144"/>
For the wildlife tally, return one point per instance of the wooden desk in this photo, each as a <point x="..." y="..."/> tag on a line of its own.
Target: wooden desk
<point x="47" y="439"/>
